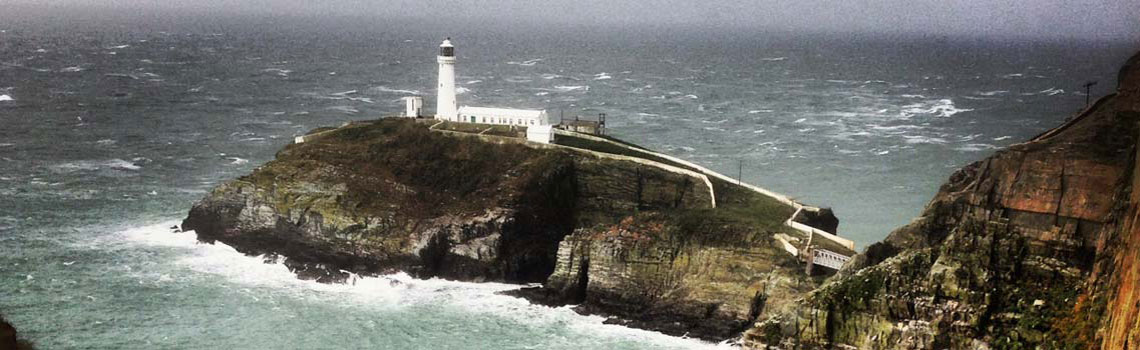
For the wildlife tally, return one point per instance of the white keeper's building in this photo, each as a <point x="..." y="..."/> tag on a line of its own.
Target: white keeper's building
<point x="446" y="106"/>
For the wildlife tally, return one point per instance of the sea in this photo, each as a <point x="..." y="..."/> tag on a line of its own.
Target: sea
<point x="112" y="126"/>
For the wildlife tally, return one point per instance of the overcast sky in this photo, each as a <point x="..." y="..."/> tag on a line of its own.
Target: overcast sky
<point x="1083" y="19"/>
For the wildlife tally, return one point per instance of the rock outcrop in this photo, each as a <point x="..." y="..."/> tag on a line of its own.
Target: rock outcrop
<point x="392" y="195"/>
<point x="1034" y="247"/>
<point x="9" y="339"/>
<point x="618" y="236"/>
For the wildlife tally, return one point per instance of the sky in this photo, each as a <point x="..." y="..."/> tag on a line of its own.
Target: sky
<point x="1046" y="19"/>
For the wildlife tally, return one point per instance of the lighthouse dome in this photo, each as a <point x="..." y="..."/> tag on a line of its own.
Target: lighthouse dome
<point x="446" y="49"/>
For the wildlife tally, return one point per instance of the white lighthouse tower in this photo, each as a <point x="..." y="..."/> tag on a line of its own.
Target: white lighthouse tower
<point x="445" y="104"/>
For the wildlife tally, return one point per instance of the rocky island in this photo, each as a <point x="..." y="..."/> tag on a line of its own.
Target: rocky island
<point x="1033" y="247"/>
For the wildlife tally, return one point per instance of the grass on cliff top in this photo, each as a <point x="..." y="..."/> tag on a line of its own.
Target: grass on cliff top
<point x="396" y="163"/>
<point x="735" y="203"/>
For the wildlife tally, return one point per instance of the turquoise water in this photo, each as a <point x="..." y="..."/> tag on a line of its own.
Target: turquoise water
<point x="115" y="128"/>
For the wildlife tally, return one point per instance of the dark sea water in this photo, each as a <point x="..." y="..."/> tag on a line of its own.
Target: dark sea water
<point x="110" y="129"/>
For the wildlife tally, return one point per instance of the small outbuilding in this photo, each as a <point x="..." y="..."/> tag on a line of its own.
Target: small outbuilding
<point x="540" y="133"/>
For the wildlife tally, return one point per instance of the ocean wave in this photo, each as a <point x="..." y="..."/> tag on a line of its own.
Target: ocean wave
<point x="993" y="93"/>
<point x="91" y="165"/>
<point x="237" y="161"/>
<point x="391" y="90"/>
<point x="278" y="71"/>
<point x="518" y="79"/>
<point x="476" y="81"/>
<point x="568" y="88"/>
<point x="755" y="111"/>
<point x="397" y="290"/>
<point x="918" y="139"/>
<point x="1047" y="92"/>
<point x="526" y="63"/>
<point x="71" y="69"/>
<point x="4" y="98"/>
<point x="1001" y="138"/>
<point x="461" y="90"/>
<point x="602" y="76"/>
<point x="550" y="76"/>
<point x="942" y="108"/>
<point x="773" y="59"/>
<point x="975" y="147"/>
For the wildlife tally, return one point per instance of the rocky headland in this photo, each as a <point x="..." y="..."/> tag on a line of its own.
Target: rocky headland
<point x="604" y="224"/>
<point x="1034" y="247"/>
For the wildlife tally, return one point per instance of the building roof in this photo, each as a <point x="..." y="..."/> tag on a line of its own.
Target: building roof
<point x="502" y="112"/>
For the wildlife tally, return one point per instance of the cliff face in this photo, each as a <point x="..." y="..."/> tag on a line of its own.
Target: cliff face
<point x="1033" y="247"/>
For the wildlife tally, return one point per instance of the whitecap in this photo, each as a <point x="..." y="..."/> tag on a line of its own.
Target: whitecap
<point x="400" y="91"/>
<point x="105" y="142"/>
<point x="461" y="90"/>
<point x="526" y="63"/>
<point x="974" y="147"/>
<point x="476" y="81"/>
<point x="6" y="98"/>
<point x="691" y="96"/>
<point x="924" y="140"/>
<point x="542" y="93"/>
<point x="518" y="80"/>
<point x="912" y="96"/>
<point x="71" y="69"/>
<point x="942" y="108"/>
<point x="602" y="76"/>
<point x="992" y="93"/>
<point x="550" y="76"/>
<point x="755" y="111"/>
<point x="773" y="59"/>
<point x="237" y="161"/>
<point x="5" y="144"/>
<point x="119" y="164"/>
<point x="278" y="71"/>
<point x="801" y="120"/>
<point x="1007" y="137"/>
<point x="344" y="93"/>
<point x="119" y="47"/>
<point x="567" y="88"/>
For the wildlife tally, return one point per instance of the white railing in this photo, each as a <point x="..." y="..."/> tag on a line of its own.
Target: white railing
<point x="827" y="258"/>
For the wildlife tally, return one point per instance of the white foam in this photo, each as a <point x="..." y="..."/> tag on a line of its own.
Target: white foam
<point x="1007" y="137"/>
<point x="993" y="93"/>
<point x="6" y="98"/>
<point x="567" y="88"/>
<point x="526" y="63"/>
<point x="476" y="81"/>
<point x="71" y="69"/>
<point x="755" y="111"/>
<point x="279" y="71"/>
<point x="942" y="108"/>
<point x="461" y="90"/>
<point x="238" y="161"/>
<point x="388" y="291"/>
<point x="974" y="147"/>
<point x="773" y="59"/>
<point x="602" y="76"/>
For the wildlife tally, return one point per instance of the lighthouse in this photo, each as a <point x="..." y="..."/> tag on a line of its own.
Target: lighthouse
<point x="445" y="105"/>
